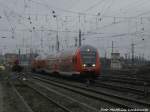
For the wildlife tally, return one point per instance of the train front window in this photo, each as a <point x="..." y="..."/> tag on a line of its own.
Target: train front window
<point x="88" y="57"/>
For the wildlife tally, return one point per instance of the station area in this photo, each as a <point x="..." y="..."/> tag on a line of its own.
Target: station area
<point x="116" y="89"/>
<point x="74" y="56"/>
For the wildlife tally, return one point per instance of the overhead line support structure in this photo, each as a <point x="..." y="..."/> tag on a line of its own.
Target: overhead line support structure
<point x="132" y="50"/>
<point x="80" y="40"/>
<point x="57" y="39"/>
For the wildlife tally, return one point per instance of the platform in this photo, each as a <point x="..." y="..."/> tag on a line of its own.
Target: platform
<point x="1" y="98"/>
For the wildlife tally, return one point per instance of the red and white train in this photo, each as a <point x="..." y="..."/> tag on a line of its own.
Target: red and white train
<point x="81" y="61"/>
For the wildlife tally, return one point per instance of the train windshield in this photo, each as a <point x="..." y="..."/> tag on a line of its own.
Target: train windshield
<point x="88" y="57"/>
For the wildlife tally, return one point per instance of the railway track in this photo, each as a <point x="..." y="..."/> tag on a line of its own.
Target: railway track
<point x="137" y="90"/>
<point x="48" y="98"/>
<point x="128" y="88"/>
<point x="23" y="106"/>
<point x="13" y="101"/>
<point x="65" y="103"/>
<point x="33" y="99"/>
<point x="119" y="101"/>
<point x="129" y="80"/>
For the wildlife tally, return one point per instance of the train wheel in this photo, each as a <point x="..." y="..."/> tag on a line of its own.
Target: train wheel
<point x="42" y="71"/>
<point x="56" y="74"/>
<point x="33" y="70"/>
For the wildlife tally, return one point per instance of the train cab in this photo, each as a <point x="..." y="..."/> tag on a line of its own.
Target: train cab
<point x="89" y="63"/>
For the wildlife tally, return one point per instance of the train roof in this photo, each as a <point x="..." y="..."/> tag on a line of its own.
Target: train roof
<point x="84" y="47"/>
<point x="71" y="51"/>
<point x="41" y="57"/>
<point x="68" y="51"/>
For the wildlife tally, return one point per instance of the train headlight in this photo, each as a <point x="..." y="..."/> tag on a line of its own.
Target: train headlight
<point x="93" y="65"/>
<point x="88" y="50"/>
<point x="84" y="65"/>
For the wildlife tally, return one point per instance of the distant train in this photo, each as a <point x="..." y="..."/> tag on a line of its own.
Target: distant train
<point x="16" y="67"/>
<point x="39" y="64"/>
<point x="81" y="61"/>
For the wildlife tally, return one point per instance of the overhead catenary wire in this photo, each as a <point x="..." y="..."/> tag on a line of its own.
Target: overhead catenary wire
<point x="85" y="13"/>
<point x="109" y="5"/>
<point x="11" y="26"/>
<point x="93" y="6"/>
<point x="101" y="27"/>
<point x="75" y="12"/>
<point x="53" y="30"/>
<point x="16" y="14"/>
<point x="130" y="5"/>
<point x="136" y="5"/>
<point x="111" y="24"/>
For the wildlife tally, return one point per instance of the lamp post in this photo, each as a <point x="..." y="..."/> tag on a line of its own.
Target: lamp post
<point x="4" y="45"/>
<point x="57" y="40"/>
<point x="3" y="52"/>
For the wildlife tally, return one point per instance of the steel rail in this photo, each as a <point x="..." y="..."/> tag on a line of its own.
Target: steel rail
<point x="119" y="88"/>
<point x="86" y="92"/>
<point x="27" y="107"/>
<point x="65" y="96"/>
<point x="49" y="99"/>
<point x="124" y="80"/>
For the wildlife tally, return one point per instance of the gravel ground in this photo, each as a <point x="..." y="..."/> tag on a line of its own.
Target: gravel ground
<point x="37" y="103"/>
<point x="97" y="104"/>
<point x="9" y="101"/>
<point x="1" y="98"/>
<point x="94" y="103"/>
<point x="129" y="94"/>
<point x="64" y="99"/>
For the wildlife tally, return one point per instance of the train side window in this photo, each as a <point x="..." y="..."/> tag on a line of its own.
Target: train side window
<point x="74" y="59"/>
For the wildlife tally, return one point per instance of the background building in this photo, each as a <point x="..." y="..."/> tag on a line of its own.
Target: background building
<point x="115" y="61"/>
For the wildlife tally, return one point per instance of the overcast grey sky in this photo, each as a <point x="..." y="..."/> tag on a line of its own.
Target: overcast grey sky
<point x="30" y="24"/>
